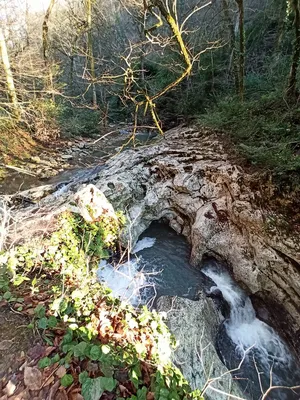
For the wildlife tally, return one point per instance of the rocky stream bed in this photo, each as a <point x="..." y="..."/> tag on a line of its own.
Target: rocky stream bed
<point x="188" y="181"/>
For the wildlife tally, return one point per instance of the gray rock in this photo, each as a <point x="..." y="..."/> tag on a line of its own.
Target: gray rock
<point x="186" y="178"/>
<point x="194" y="325"/>
<point x="67" y="156"/>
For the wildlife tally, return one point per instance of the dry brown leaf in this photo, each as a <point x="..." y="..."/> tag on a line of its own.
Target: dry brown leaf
<point x="32" y="378"/>
<point x="53" y="391"/>
<point x="37" y="351"/>
<point x="61" y="371"/>
<point x="75" y="396"/>
<point x="61" y="395"/>
<point x="49" y="350"/>
<point x="10" y="388"/>
<point x="48" y="381"/>
<point x="24" y="395"/>
<point x="150" y="396"/>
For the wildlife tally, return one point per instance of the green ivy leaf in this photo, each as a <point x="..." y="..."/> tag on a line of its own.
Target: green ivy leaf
<point x="80" y="349"/>
<point x="142" y="393"/>
<point x="92" y="389"/>
<point x="163" y="394"/>
<point x="44" y="362"/>
<point x="95" y="353"/>
<point x="40" y="311"/>
<point x="135" y="373"/>
<point x="55" y="359"/>
<point x="68" y="337"/>
<point x="52" y="322"/>
<point x="66" y="380"/>
<point x="19" y="279"/>
<point x="43" y="323"/>
<point x="7" y="295"/>
<point x="108" y="384"/>
<point x="83" y="376"/>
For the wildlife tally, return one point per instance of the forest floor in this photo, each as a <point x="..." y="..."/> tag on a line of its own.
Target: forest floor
<point x="26" y="163"/>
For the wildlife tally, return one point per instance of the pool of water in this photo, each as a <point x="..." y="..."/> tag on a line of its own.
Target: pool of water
<point x="160" y="266"/>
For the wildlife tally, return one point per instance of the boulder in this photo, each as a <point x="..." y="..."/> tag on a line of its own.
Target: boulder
<point x="194" y="325"/>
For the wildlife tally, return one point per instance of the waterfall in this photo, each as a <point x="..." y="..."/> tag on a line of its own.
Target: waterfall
<point x="267" y="360"/>
<point x="243" y="328"/>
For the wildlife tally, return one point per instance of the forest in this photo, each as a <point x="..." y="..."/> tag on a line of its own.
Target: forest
<point x="77" y="66"/>
<point x="149" y="199"/>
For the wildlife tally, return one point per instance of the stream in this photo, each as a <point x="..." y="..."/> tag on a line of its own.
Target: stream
<point x="82" y="162"/>
<point x="160" y="266"/>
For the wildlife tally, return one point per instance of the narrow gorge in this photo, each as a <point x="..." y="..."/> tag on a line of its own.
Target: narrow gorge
<point x="186" y="180"/>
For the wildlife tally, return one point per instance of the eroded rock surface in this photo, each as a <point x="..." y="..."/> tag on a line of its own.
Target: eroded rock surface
<point x="187" y="179"/>
<point x="194" y="325"/>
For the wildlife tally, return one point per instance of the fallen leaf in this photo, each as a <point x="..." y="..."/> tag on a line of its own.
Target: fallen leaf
<point x="61" y="371"/>
<point x="32" y="378"/>
<point x="21" y="396"/>
<point x="29" y="311"/>
<point x="53" y="391"/>
<point x="10" y="388"/>
<point x="150" y="396"/>
<point x="49" y="350"/>
<point x="36" y="352"/>
<point x="75" y="396"/>
<point x="61" y="395"/>
<point x="48" y="381"/>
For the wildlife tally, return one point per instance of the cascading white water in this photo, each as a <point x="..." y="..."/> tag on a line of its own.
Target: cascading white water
<point x="142" y="244"/>
<point x="126" y="280"/>
<point x="162" y="268"/>
<point x="243" y="328"/>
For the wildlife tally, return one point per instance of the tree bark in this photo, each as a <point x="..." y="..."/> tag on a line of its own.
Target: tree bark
<point x="46" y="44"/>
<point x="292" y="83"/>
<point x="233" y="56"/>
<point x="281" y="24"/>
<point x="240" y="4"/>
<point x="11" y="90"/>
<point x="46" y="32"/>
<point x="90" y="49"/>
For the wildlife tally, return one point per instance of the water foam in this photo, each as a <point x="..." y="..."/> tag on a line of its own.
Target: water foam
<point x="243" y="328"/>
<point x="125" y="280"/>
<point x="144" y="243"/>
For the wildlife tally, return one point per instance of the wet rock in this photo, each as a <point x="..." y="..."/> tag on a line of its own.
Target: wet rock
<point x="187" y="177"/>
<point x="194" y="325"/>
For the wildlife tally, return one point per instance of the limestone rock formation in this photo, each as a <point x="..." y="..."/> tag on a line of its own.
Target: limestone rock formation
<point x="187" y="179"/>
<point x="194" y="325"/>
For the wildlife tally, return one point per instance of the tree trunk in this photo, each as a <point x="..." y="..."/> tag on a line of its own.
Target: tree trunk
<point x="11" y="90"/>
<point x="234" y="60"/>
<point x="46" y="44"/>
<point x="240" y="4"/>
<point x="281" y="24"/>
<point x="292" y="84"/>
<point x="90" y="50"/>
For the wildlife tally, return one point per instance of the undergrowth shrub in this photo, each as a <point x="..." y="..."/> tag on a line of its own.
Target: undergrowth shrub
<point x="266" y="132"/>
<point x="102" y="344"/>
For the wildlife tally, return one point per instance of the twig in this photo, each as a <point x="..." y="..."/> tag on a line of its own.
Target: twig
<point x="23" y="171"/>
